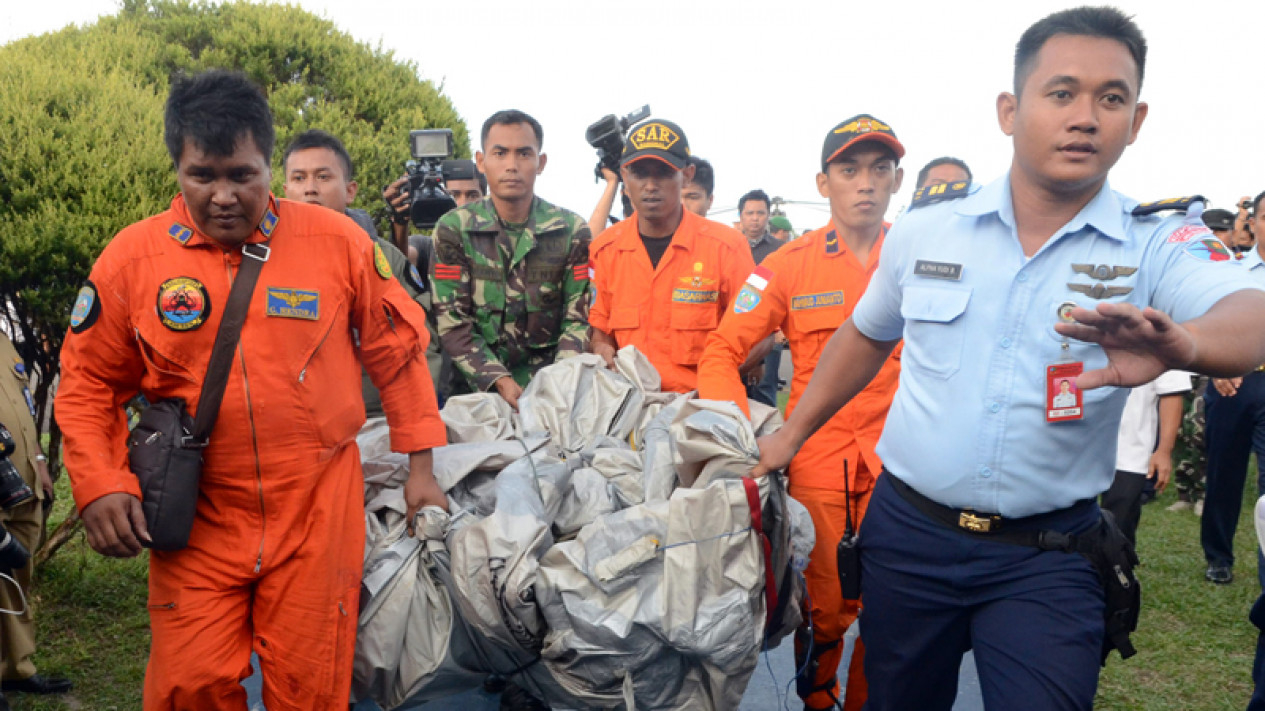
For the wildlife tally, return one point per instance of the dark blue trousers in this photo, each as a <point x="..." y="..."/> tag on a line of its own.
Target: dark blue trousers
<point x="1257" y="616"/>
<point x="1034" y="618"/>
<point x="1235" y="429"/>
<point x="766" y="390"/>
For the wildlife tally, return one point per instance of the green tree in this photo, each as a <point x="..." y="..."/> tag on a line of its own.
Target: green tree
<point x="81" y="152"/>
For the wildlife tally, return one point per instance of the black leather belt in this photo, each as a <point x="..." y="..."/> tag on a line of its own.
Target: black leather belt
<point x="1024" y="531"/>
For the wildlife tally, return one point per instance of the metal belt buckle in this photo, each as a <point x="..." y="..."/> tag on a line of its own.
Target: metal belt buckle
<point x="974" y="522"/>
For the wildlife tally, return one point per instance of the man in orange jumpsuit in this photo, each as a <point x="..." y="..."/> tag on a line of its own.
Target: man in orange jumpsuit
<point x="273" y="563"/>
<point x="664" y="276"/>
<point x="807" y="289"/>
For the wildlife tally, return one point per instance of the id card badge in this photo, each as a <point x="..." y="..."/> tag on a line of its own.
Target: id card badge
<point x="1063" y="400"/>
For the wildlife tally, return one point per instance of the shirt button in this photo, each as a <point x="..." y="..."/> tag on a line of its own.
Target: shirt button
<point x="1005" y="343"/>
<point x="995" y="407"/>
<point x="985" y="472"/>
<point x="1023" y="276"/>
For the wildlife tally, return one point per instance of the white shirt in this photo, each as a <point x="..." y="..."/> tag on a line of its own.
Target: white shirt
<point x="1139" y="424"/>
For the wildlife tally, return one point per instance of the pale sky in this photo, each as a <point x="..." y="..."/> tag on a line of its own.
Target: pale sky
<point x="756" y="85"/>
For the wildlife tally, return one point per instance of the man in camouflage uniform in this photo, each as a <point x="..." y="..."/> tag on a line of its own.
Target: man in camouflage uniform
<point x="510" y="272"/>
<point x="1191" y="454"/>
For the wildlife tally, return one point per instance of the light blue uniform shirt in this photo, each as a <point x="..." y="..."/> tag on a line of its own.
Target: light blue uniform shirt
<point x="967" y="427"/>
<point x="1254" y="265"/>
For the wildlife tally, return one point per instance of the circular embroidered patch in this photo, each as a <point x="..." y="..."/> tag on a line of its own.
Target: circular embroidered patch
<point x="87" y="308"/>
<point x="380" y="262"/>
<point x="183" y="304"/>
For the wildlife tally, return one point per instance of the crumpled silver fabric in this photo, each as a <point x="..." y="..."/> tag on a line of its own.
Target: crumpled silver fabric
<point x="479" y="417"/>
<point x="607" y="561"/>
<point x="579" y="400"/>
<point x="430" y="656"/>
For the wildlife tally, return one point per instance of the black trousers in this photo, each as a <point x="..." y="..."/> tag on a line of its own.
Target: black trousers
<point x="1124" y="501"/>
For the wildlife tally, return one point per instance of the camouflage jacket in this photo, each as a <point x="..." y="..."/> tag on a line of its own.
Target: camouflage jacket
<point x="510" y="304"/>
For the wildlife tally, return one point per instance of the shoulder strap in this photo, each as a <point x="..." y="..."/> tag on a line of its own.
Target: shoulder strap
<point x="253" y="257"/>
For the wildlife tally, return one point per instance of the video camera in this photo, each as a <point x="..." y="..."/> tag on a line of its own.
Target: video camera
<point x="427" y="173"/>
<point x="13" y="492"/>
<point x="607" y="136"/>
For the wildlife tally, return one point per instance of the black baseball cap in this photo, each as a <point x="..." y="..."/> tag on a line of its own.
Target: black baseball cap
<point x="850" y="132"/>
<point x="1217" y="219"/>
<point x="656" y="138"/>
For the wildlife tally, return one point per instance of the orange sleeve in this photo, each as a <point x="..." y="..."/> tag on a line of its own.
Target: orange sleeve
<point x="101" y="369"/>
<point x="600" y="311"/>
<point x="393" y="340"/>
<point x="728" y="346"/>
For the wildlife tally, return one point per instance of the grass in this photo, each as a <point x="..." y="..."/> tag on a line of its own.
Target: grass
<point x="1195" y="644"/>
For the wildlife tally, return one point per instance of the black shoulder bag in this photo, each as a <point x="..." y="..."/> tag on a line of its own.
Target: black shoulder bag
<point x="164" y="450"/>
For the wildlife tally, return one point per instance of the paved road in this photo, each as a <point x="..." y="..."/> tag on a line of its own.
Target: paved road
<point x="770" y="688"/>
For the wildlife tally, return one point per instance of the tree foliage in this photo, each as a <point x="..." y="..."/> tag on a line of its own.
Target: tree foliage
<point x="81" y="152"/>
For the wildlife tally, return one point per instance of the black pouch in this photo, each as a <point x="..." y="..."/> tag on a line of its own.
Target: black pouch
<point x="168" y="471"/>
<point x="1111" y="554"/>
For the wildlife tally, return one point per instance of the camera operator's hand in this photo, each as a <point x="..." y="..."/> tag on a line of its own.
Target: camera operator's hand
<point x="421" y="489"/>
<point x="397" y="199"/>
<point x="609" y="175"/>
<point x="115" y="525"/>
<point x="510" y="390"/>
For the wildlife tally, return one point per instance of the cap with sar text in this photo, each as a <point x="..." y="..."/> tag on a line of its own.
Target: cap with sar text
<point x="849" y="133"/>
<point x="656" y="138"/>
<point x="1217" y="219"/>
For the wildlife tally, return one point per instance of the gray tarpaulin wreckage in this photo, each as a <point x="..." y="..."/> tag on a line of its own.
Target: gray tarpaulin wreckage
<point x="604" y="550"/>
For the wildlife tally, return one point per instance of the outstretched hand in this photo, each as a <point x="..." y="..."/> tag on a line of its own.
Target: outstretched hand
<point x="1140" y="344"/>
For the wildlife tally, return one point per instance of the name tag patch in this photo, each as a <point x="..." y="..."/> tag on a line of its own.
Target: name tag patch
<point x="293" y="303"/>
<point x="817" y="301"/>
<point x="938" y="270"/>
<point x="695" y="296"/>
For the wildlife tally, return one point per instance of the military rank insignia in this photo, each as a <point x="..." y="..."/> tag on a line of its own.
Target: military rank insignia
<point x="86" y="309"/>
<point x="183" y="304"/>
<point x="269" y="222"/>
<point x="1181" y="204"/>
<point x="180" y="233"/>
<point x="929" y="194"/>
<point x="293" y="303"/>
<point x="380" y="262"/>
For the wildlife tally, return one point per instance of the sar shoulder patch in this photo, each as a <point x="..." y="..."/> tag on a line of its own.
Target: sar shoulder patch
<point x="1181" y="204"/>
<point x="86" y="309"/>
<point x="929" y="194"/>
<point x="380" y="262"/>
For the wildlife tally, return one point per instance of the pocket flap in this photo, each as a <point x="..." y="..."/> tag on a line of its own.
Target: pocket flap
<point x="932" y="303"/>
<point x="625" y="317"/>
<point x="694" y="317"/>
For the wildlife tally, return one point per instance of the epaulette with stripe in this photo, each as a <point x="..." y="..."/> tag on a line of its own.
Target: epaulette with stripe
<point x="1183" y="204"/>
<point x="929" y="194"/>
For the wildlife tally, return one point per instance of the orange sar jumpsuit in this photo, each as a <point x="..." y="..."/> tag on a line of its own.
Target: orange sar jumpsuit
<point x="274" y="560"/>
<point x="808" y="288"/>
<point x="667" y="311"/>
